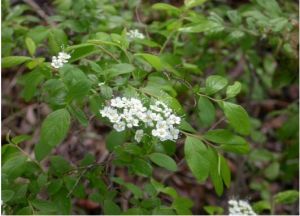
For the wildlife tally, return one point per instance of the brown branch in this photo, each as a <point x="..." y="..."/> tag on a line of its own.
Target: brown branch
<point x="40" y="12"/>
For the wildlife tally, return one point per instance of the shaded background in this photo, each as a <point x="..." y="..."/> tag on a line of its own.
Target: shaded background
<point x="277" y="132"/>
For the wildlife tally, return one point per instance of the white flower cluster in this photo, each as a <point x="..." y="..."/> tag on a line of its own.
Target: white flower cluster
<point x="60" y="60"/>
<point x="132" y="34"/>
<point x="131" y="113"/>
<point x="240" y="207"/>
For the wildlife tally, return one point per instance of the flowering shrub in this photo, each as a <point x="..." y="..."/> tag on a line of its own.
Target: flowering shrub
<point x="161" y="89"/>
<point x="130" y="113"/>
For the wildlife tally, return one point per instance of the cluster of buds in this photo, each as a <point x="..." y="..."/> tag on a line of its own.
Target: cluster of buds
<point x="240" y="207"/>
<point x="133" y="34"/>
<point x="60" y="60"/>
<point x="132" y="114"/>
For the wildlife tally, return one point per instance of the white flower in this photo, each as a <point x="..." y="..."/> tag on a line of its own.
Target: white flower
<point x="147" y="118"/>
<point x="60" y="60"/>
<point x="162" y="124"/>
<point x="117" y="102"/>
<point x="120" y="126"/>
<point x="156" y="108"/>
<point x="106" y="111"/>
<point x="132" y="122"/>
<point x="240" y="207"/>
<point x="131" y="113"/>
<point x="56" y="62"/>
<point x="139" y="135"/>
<point x="63" y="57"/>
<point x="173" y="119"/>
<point x="114" y="117"/>
<point x="174" y="133"/>
<point x="133" y="34"/>
<point x="161" y="133"/>
<point x="155" y="117"/>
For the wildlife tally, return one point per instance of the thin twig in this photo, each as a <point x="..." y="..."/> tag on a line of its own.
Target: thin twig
<point x="40" y="12"/>
<point x="77" y="182"/>
<point x="217" y="123"/>
<point x="108" y="53"/>
<point x="140" y="21"/>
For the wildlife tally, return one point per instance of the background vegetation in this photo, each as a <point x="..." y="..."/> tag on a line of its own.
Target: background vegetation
<point x="205" y="59"/>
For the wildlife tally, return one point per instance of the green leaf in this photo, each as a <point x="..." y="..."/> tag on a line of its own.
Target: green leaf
<point x="25" y="211"/>
<point x="220" y="136"/>
<point x="270" y="6"/>
<point x="114" y="139"/>
<point x="55" y="127"/>
<point x="260" y="155"/>
<point x="151" y="203"/>
<point x="234" y="16"/>
<point x="81" y="51"/>
<point x="38" y="34"/>
<point x="287" y="197"/>
<point x="14" y="166"/>
<point x="225" y="172"/>
<point x="11" y="61"/>
<point x="62" y="202"/>
<point x="163" y="210"/>
<point x="214" y="84"/>
<point x="6" y="195"/>
<point x="203" y="26"/>
<point x="238" y="118"/>
<point x="106" y="91"/>
<point x="142" y="167"/>
<point x="54" y="186"/>
<point x="195" y="155"/>
<point x="166" y="7"/>
<point x="185" y="126"/>
<point x="137" y="192"/>
<point x="229" y="141"/>
<point x="157" y="93"/>
<point x="95" y="104"/>
<point x="42" y="180"/>
<point x="133" y="188"/>
<point x="214" y="210"/>
<point x="193" y="3"/>
<point x="74" y="186"/>
<point x="78" y="90"/>
<point x="41" y="151"/>
<point x="241" y="146"/>
<point x="153" y="60"/>
<point x="170" y="191"/>
<point x="88" y="159"/>
<point x="59" y="166"/>
<point x="261" y="206"/>
<point x="20" y="192"/>
<point x="119" y="69"/>
<point x="44" y="206"/>
<point x="132" y="148"/>
<point x="182" y="206"/>
<point x="215" y="170"/>
<point x="31" y="47"/>
<point x="206" y="111"/>
<point x="272" y="171"/>
<point x="146" y="42"/>
<point x="30" y="81"/>
<point x="56" y="40"/>
<point x="111" y="208"/>
<point x="233" y="90"/>
<point x="79" y="115"/>
<point x="22" y="138"/>
<point x="163" y="160"/>
<point x="54" y="130"/>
